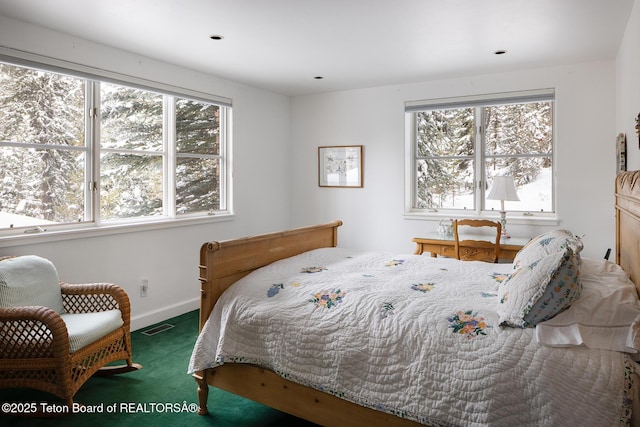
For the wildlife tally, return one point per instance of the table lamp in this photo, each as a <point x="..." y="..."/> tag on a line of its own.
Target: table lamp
<point x="503" y="189"/>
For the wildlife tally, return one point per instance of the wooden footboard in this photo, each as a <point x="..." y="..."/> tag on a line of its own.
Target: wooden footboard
<point x="223" y="263"/>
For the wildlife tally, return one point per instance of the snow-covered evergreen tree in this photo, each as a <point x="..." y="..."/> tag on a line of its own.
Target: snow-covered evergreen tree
<point x="46" y="110"/>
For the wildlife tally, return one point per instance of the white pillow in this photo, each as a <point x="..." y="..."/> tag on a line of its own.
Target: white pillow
<point x="606" y="316"/>
<point x="29" y="280"/>
<point x="546" y="244"/>
<point x="539" y="290"/>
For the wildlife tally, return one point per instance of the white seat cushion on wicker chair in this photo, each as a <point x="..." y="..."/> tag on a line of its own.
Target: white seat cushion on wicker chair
<point x="85" y="328"/>
<point x="29" y="280"/>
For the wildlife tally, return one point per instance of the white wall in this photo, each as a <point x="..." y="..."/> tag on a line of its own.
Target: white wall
<point x="628" y="86"/>
<point x="373" y="215"/>
<point x="169" y="258"/>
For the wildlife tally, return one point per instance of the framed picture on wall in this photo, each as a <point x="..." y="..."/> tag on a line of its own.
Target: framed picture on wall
<point x="621" y="153"/>
<point x="638" y="128"/>
<point x="340" y="166"/>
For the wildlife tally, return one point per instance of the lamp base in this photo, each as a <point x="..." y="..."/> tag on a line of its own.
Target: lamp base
<point x="503" y="223"/>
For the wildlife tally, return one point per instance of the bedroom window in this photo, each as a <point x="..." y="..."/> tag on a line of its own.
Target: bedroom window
<point x="77" y="152"/>
<point x="456" y="146"/>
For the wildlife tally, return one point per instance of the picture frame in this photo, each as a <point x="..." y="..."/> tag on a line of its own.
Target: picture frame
<point x="621" y="153"/>
<point x="638" y="128"/>
<point x="340" y="166"/>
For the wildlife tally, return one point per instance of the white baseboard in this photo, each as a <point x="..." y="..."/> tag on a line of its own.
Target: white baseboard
<point x="162" y="314"/>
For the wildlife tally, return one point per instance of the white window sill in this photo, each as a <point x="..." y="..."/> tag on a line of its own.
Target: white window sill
<point x="52" y="235"/>
<point x="512" y="218"/>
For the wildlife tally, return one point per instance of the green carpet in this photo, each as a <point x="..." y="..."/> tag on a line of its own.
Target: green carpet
<point x="154" y="395"/>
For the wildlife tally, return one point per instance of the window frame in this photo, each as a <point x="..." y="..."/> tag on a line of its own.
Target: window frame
<point x="479" y="156"/>
<point x="92" y="223"/>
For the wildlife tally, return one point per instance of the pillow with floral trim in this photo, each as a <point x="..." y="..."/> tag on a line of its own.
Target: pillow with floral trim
<point x="539" y="290"/>
<point x="545" y="244"/>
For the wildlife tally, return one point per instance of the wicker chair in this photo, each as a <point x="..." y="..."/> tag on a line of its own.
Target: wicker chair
<point x="57" y="348"/>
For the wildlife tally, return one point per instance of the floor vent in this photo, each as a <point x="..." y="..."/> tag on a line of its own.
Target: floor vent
<point x="157" y="329"/>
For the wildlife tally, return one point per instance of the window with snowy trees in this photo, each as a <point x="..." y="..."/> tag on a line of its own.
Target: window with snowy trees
<point x="80" y="151"/>
<point x="456" y="147"/>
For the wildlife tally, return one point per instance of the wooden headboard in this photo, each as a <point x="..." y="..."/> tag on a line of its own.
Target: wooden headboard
<point x="628" y="224"/>
<point x="223" y="263"/>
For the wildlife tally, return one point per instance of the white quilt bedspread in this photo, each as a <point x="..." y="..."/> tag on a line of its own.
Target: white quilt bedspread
<point x="410" y="335"/>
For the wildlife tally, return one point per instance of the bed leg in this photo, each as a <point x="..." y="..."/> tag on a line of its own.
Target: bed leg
<point x="203" y="393"/>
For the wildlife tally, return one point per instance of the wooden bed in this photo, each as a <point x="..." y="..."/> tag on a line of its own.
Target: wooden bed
<point x="223" y="263"/>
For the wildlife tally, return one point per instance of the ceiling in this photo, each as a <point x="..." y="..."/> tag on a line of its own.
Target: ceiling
<point x="282" y="45"/>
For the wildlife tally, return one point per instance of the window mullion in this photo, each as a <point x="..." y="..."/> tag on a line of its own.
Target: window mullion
<point x="225" y="164"/>
<point x="92" y="195"/>
<point x="169" y="155"/>
<point x="479" y="169"/>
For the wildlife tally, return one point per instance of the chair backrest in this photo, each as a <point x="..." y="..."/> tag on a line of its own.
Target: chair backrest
<point x="29" y="280"/>
<point x="477" y="249"/>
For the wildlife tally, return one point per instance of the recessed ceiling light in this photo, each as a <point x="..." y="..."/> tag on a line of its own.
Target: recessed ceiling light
<point x="500" y="52"/>
<point x="216" y="37"/>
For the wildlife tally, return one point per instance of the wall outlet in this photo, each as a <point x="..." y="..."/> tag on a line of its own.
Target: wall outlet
<point x="144" y="288"/>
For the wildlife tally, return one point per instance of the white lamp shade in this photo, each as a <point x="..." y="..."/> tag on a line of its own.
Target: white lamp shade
<point x="503" y="189"/>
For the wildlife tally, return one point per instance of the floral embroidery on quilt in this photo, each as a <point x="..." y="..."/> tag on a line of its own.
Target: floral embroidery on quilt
<point x="394" y="262"/>
<point x="326" y="299"/>
<point x="468" y="323"/>
<point x="423" y="287"/>
<point x="274" y="289"/>
<point x="387" y="309"/>
<point x="312" y="269"/>
<point x="500" y="277"/>
<point x="488" y="294"/>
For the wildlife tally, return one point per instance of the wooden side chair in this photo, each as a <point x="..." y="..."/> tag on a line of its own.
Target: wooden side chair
<point x="476" y="250"/>
<point x="54" y="336"/>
